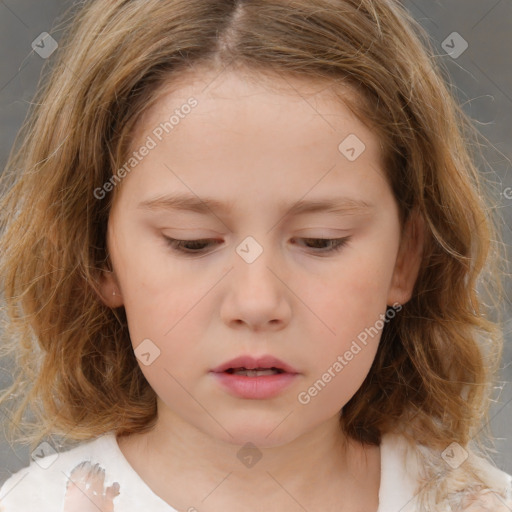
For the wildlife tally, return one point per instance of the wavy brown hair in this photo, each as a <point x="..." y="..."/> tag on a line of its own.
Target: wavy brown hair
<point x="75" y="370"/>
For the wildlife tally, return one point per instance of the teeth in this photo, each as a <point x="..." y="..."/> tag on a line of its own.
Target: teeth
<point x="255" y="373"/>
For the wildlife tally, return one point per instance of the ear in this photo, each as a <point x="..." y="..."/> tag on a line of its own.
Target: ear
<point x="109" y="289"/>
<point x="408" y="260"/>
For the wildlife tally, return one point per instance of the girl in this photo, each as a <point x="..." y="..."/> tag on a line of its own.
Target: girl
<point x="241" y="245"/>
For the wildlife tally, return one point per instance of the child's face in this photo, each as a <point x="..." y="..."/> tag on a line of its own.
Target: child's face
<point x="261" y="152"/>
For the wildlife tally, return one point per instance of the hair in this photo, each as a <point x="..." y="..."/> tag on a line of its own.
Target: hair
<point x="75" y="370"/>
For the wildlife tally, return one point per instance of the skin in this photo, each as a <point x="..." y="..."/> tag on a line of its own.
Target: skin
<point x="256" y="144"/>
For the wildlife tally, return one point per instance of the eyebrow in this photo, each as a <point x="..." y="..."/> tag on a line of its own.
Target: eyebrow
<point x="207" y="205"/>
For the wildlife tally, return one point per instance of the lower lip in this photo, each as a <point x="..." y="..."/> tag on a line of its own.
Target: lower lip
<point x="266" y="386"/>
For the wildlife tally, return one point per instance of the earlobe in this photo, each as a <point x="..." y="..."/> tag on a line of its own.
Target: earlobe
<point x="408" y="261"/>
<point x="109" y="289"/>
<point x="108" y="285"/>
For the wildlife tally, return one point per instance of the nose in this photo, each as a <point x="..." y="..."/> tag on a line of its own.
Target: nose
<point x="257" y="295"/>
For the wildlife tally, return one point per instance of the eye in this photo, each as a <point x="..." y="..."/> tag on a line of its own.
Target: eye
<point x="333" y="244"/>
<point x="178" y="245"/>
<point x="198" y="246"/>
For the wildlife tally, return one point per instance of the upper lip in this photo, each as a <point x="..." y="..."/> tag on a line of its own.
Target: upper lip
<point x="250" y="363"/>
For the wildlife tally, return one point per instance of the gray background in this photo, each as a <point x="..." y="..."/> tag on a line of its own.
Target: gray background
<point x="482" y="76"/>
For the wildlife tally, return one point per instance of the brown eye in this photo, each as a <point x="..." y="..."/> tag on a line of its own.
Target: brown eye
<point x="327" y="245"/>
<point x="188" y="246"/>
<point x="333" y="244"/>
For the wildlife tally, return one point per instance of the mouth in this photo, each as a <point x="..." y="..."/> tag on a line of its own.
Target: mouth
<point x="256" y="372"/>
<point x="249" y="366"/>
<point x="255" y="379"/>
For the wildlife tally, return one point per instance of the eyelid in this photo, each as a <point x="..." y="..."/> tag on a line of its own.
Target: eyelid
<point x="175" y="243"/>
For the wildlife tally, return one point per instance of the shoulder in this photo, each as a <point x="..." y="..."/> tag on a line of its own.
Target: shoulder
<point x="455" y="479"/>
<point x="478" y="486"/>
<point x="42" y="485"/>
<point x="93" y="475"/>
<point x="400" y="475"/>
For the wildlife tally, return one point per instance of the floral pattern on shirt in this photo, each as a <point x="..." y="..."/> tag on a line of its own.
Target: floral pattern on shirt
<point x="86" y="492"/>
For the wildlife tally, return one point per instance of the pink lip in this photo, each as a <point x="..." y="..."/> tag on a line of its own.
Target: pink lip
<point x="266" y="386"/>
<point x="250" y="363"/>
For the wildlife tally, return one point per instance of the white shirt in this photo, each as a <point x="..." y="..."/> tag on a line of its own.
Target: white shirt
<point x="41" y="486"/>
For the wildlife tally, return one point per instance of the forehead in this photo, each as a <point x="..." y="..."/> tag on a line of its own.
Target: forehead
<point x="233" y="88"/>
<point x="263" y="134"/>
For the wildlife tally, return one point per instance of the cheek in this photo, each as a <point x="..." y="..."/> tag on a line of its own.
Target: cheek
<point x="170" y="318"/>
<point x="164" y="304"/>
<point x="156" y="292"/>
<point x="153" y="309"/>
<point x="337" y="382"/>
<point x="340" y="362"/>
<point x="352" y="303"/>
<point x="354" y="294"/>
<point x="342" y="354"/>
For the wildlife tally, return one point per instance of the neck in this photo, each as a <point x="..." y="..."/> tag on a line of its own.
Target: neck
<point x="321" y="467"/>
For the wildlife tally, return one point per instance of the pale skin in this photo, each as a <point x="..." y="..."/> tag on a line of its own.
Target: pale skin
<point x="256" y="147"/>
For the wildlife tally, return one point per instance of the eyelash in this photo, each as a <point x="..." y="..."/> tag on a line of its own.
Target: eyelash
<point x="177" y="244"/>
